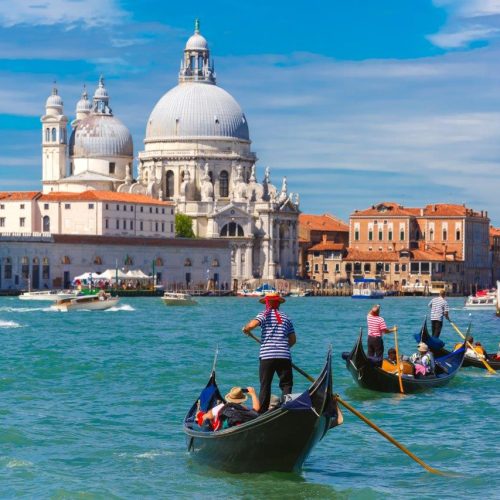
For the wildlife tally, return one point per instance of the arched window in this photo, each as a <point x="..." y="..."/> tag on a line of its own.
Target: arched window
<point x="54" y="135"/>
<point x="215" y="263"/>
<point x="367" y="267"/>
<point x="457" y="235"/>
<point x="232" y="229"/>
<point x="128" y="261"/>
<point x="45" y="268"/>
<point x="65" y="260"/>
<point x="97" y="260"/>
<point x="187" y="262"/>
<point x="224" y="184"/>
<point x="47" y="134"/>
<point x="169" y="184"/>
<point x="46" y="224"/>
<point x="158" y="262"/>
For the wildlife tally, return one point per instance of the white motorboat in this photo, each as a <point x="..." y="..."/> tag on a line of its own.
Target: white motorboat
<point x="96" y="302"/>
<point x="178" y="299"/>
<point x="48" y="295"/>
<point x="483" y="299"/>
<point x="367" y="288"/>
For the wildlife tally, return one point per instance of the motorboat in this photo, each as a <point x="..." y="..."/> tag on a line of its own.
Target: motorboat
<point x="96" y="302"/>
<point x="483" y="299"/>
<point x="367" y="288"/>
<point x="178" y="299"/>
<point x="258" y="292"/>
<point x="48" y="295"/>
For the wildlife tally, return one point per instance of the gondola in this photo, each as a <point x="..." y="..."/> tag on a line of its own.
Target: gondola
<point x="368" y="375"/>
<point x="436" y="345"/>
<point x="278" y="440"/>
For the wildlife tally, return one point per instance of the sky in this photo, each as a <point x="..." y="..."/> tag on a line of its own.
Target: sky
<point x="354" y="102"/>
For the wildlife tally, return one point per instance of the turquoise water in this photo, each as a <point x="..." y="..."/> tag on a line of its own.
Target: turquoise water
<point x="91" y="403"/>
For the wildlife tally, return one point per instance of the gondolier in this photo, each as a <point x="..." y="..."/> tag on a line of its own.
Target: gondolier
<point x="376" y="328"/>
<point x="277" y="336"/>
<point x="439" y="309"/>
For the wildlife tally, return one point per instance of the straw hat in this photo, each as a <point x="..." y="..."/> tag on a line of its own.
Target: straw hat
<point x="235" y="395"/>
<point x="274" y="296"/>
<point x="422" y="347"/>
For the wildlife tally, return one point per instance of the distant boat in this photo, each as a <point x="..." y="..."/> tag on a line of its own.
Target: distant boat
<point x="48" y="295"/>
<point x="483" y="299"/>
<point x="97" y="302"/>
<point x="258" y="292"/>
<point x="367" y="288"/>
<point x="178" y="299"/>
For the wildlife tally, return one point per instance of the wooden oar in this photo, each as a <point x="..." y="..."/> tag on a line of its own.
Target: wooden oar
<point x="398" y="361"/>
<point x="485" y="363"/>
<point x="367" y="421"/>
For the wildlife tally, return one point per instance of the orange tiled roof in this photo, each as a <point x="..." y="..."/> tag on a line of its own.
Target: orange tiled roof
<point x="19" y="195"/>
<point x="387" y="208"/>
<point x="326" y="245"/>
<point x="360" y="255"/>
<point x="113" y="196"/>
<point x="494" y="231"/>
<point x="325" y="222"/>
<point x="449" y="210"/>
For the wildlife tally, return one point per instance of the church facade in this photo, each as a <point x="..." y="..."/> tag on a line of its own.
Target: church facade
<point x="197" y="154"/>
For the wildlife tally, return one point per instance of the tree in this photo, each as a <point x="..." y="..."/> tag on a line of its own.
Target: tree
<point x="184" y="226"/>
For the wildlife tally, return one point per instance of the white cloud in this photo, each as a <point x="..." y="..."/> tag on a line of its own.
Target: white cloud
<point x="462" y="38"/>
<point x="73" y="13"/>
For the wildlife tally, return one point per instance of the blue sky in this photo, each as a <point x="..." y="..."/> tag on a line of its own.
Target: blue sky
<point x="355" y="102"/>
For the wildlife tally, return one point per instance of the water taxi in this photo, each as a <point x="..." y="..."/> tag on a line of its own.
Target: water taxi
<point x="178" y="299"/>
<point x="483" y="299"/>
<point x="98" y="302"/>
<point x="48" y="295"/>
<point x="367" y="288"/>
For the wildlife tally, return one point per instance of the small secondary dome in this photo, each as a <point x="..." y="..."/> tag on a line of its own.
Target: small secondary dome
<point x="98" y="136"/>
<point x="84" y="105"/>
<point x="54" y="100"/>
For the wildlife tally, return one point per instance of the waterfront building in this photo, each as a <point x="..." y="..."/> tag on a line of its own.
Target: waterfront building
<point x="495" y="253"/>
<point x="323" y="240"/>
<point x="413" y="248"/>
<point x="97" y="213"/>
<point x="198" y="155"/>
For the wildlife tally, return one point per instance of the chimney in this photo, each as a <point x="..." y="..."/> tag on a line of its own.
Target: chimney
<point x="486" y="213"/>
<point x="324" y="237"/>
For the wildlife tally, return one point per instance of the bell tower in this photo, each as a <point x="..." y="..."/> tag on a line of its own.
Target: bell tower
<point x="54" y="142"/>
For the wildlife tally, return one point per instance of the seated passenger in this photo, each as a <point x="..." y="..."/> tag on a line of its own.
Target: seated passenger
<point x="496" y="357"/>
<point x="389" y="364"/>
<point x="474" y="350"/>
<point x="423" y="360"/>
<point x="232" y="412"/>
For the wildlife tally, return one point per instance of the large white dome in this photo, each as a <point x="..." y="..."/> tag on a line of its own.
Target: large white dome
<point x="100" y="136"/>
<point x="194" y="110"/>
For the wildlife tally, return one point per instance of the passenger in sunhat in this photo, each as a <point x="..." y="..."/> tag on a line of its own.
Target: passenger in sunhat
<point x="277" y="336"/>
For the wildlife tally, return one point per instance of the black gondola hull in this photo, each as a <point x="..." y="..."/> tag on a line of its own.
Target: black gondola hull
<point x="369" y="376"/>
<point x="468" y="361"/>
<point x="280" y="440"/>
<point x="280" y="443"/>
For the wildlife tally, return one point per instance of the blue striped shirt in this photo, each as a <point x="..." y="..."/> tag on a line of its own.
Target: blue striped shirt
<point x="274" y="336"/>
<point x="438" y="307"/>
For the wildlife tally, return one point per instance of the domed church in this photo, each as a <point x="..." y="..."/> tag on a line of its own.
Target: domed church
<point x="197" y="153"/>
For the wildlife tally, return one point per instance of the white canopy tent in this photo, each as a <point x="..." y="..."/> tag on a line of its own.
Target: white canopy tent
<point x="137" y="274"/>
<point x="112" y="275"/>
<point x="87" y="277"/>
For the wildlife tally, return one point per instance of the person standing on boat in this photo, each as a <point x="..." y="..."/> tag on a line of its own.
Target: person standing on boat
<point x="277" y="337"/>
<point x="439" y="309"/>
<point x="376" y="328"/>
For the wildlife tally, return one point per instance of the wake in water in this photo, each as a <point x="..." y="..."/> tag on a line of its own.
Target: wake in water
<point x="123" y="307"/>
<point x="24" y="309"/>
<point x="9" y="324"/>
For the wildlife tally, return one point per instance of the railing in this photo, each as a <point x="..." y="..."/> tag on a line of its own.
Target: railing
<point x="35" y="236"/>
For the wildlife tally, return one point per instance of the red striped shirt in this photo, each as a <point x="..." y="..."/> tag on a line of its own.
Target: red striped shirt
<point x="376" y="325"/>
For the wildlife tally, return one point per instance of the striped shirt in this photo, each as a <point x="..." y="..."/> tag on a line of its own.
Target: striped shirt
<point x="376" y="325"/>
<point x="274" y="336"/>
<point x="438" y="306"/>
